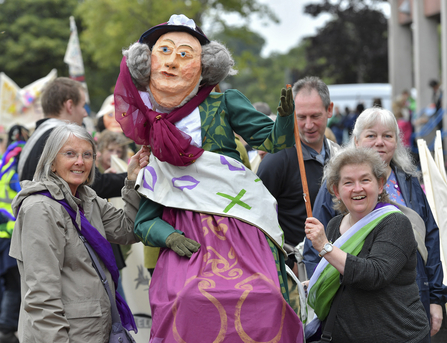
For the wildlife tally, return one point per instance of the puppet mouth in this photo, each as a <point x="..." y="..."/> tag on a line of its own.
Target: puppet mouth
<point x="164" y="73"/>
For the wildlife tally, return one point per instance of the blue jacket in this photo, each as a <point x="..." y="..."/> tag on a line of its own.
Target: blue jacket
<point x="429" y="276"/>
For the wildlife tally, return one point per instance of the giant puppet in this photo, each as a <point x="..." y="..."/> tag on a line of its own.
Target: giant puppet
<point x="220" y="273"/>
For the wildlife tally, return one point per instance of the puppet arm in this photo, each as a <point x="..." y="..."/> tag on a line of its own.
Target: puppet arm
<point x="257" y="129"/>
<point x="149" y="227"/>
<point x="154" y="231"/>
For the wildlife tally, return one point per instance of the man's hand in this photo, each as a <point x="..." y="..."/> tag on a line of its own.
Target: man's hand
<point x="286" y="106"/>
<point x="181" y="245"/>
<point x="436" y="318"/>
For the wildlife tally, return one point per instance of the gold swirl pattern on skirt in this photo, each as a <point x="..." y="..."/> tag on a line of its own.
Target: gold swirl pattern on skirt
<point x="216" y="227"/>
<point x="247" y="289"/>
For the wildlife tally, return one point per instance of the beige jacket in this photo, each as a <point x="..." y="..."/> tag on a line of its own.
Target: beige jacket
<point x="63" y="299"/>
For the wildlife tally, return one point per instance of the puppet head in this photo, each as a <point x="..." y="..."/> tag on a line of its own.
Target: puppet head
<point x="172" y="60"/>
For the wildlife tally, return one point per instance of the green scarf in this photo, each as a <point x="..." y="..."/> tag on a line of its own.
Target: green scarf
<point x="325" y="281"/>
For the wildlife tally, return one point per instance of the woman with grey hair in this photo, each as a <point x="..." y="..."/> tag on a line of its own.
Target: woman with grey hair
<point x="216" y="225"/>
<point x="63" y="299"/>
<point x="365" y="287"/>
<point x="377" y="128"/>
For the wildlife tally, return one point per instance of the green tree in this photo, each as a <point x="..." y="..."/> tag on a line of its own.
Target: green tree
<point x="33" y="37"/>
<point x="352" y="47"/>
<point x="260" y="79"/>
<point x="110" y="25"/>
<point x="34" y="33"/>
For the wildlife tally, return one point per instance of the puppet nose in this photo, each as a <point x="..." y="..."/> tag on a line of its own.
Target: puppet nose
<point x="172" y="62"/>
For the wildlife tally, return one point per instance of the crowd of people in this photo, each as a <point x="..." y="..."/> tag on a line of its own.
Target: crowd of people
<point x="214" y="183"/>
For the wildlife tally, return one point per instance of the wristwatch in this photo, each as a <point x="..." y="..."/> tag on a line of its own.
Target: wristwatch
<point x="327" y="248"/>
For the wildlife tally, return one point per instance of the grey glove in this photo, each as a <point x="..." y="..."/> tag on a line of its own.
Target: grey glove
<point x="286" y="105"/>
<point x="182" y="245"/>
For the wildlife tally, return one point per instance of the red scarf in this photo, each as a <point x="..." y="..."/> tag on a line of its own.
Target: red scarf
<point x="148" y="127"/>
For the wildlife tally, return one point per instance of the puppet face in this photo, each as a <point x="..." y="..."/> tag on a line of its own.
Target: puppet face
<point x="175" y="67"/>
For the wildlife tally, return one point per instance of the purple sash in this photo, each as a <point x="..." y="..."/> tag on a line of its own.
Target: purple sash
<point x="104" y="251"/>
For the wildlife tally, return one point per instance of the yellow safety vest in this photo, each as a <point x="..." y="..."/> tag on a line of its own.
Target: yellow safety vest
<point x="6" y="196"/>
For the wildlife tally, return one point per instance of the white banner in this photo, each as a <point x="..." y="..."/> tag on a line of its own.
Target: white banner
<point x="21" y="106"/>
<point x="436" y="190"/>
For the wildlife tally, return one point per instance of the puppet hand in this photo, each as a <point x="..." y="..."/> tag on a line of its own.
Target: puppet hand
<point x="286" y="106"/>
<point x="182" y="245"/>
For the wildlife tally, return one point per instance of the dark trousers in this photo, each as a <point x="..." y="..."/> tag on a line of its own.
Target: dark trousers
<point x="10" y="302"/>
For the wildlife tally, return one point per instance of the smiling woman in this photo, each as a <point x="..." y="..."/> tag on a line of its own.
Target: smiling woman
<point x="377" y="128"/>
<point x="68" y="299"/>
<point x="372" y="262"/>
<point x="74" y="162"/>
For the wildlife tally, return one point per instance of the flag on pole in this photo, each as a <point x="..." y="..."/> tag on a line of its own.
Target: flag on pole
<point x="73" y="57"/>
<point x="435" y="183"/>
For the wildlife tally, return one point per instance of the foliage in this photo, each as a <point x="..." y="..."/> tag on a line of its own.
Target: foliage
<point x="261" y="79"/>
<point x="111" y="25"/>
<point x="352" y="47"/>
<point x="33" y="37"/>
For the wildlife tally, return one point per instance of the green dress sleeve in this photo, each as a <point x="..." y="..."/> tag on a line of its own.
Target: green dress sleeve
<point x="257" y="129"/>
<point x="149" y="227"/>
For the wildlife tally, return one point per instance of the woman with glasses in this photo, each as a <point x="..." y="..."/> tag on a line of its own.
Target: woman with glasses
<point x="63" y="299"/>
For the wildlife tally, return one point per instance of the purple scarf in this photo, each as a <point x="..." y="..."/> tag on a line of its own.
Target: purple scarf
<point x="148" y="127"/>
<point x="104" y="251"/>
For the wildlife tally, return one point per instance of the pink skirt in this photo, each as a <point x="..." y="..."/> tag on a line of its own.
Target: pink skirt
<point x="228" y="291"/>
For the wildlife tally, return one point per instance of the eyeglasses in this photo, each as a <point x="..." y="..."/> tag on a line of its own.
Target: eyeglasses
<point x="86" y="156"/>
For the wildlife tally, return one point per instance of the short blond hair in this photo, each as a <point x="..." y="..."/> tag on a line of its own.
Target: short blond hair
<point x="354" y="156"/>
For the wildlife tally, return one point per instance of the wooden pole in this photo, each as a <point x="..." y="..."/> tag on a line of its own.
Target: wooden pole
<point x="299" y="153"/>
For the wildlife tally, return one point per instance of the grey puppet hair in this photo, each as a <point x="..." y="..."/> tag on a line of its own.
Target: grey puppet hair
<point x="217" y="64"/>
<point x="138" y="60"/>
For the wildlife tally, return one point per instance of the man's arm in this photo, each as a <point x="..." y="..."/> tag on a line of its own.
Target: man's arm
<point x="108" y="185"/>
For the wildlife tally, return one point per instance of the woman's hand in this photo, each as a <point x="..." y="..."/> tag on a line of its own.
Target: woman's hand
<point x="138" y="162"/>
<point x="315" y="233"/>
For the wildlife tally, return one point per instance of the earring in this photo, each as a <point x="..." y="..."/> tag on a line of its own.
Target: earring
<point x="379" y="198"/>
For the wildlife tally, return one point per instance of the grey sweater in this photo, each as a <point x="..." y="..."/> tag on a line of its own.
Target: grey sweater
<point x="380" y="301"/>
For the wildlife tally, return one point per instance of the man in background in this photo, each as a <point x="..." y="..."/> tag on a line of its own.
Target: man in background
<point x="63" y="100"/>
<point x="280" y="172"/>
